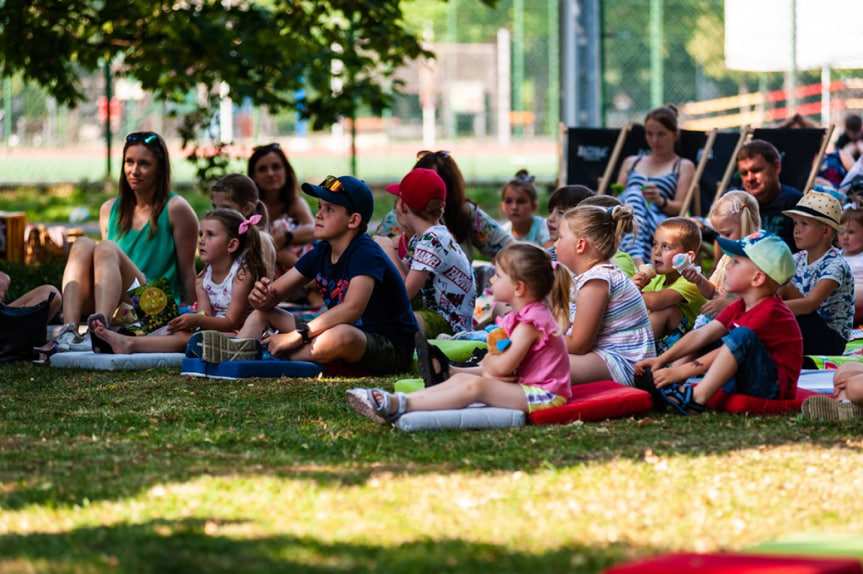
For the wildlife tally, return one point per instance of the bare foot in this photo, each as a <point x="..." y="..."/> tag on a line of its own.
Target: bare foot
<point x="120" y="344"/>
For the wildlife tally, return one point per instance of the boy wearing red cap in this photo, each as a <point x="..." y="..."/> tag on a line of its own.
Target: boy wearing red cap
<point x="436" y="272"/>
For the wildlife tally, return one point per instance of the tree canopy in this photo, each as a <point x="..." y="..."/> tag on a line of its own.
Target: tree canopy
<point x="341" y="53"/>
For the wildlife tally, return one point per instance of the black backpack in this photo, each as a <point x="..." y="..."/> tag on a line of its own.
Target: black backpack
<point x="21" y="329"/>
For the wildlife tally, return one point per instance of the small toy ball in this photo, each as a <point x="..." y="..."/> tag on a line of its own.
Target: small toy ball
<point x="498" y="341"/>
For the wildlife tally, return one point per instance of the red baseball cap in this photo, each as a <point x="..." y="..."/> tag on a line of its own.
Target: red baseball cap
<point x="419" y="187"/>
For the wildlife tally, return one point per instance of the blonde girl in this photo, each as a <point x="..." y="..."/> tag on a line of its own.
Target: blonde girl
<point x="734" y="215"/>
<point x="239" y="192"/>
<point x="531" y="374"/>
<point x="230" y="246"/>
<point x="610" y="327"/>
<point x="519" y="202"/>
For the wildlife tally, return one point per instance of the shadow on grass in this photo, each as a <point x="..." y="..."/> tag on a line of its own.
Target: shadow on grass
<point x="71" y="436"/>
<point x="199" y="545"/>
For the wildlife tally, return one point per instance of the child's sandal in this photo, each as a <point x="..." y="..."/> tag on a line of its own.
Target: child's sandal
<point x="365" y="403"/>
<point x="679" y="396"/>
<point x="426" y="354"/>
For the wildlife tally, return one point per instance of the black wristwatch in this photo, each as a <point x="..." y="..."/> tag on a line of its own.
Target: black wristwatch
<point x="303" y="330"/>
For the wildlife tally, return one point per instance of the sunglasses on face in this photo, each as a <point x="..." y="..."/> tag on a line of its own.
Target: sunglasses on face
<point x="425" y="152"/>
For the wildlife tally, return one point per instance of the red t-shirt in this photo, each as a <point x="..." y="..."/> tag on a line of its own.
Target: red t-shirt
<point x="776" y="326"/>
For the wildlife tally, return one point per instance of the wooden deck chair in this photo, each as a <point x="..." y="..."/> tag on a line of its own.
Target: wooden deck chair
<point x="731" y="161"/>
<point x="797" y="148"/>
<point x="816" y="164"/>
<point x="695" y="146"/>
<point x="589" y="151"/>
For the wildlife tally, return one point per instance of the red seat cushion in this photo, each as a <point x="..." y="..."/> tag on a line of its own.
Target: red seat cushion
<point x="734" y="403"/>
<point x="739" y="563"/>
<point x="596" y="402"/>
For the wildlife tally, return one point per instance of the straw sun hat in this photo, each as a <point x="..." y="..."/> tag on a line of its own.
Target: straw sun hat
<point x="819" y="206"/>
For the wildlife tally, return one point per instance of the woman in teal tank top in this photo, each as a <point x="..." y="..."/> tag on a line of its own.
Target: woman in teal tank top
<point x="147" y="233"/>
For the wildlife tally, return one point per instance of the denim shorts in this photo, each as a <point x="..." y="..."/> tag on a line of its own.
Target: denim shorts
<point x="756" y="374"/>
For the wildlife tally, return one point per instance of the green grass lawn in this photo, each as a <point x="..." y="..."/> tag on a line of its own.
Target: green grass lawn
<point x="154" y="472"/>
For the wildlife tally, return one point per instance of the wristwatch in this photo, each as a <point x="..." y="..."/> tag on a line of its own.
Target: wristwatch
<point x="303" y="330"/>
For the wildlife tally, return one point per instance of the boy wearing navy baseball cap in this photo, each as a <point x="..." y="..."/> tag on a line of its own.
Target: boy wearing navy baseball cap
<point x="760" y="348"/>
<point x="368" y="325"/>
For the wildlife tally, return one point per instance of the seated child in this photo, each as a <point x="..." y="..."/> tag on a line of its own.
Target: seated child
<point x="734" y="215"/>
<point x="610" y="329"/>
<point x="436" y="272"/>
<point x="821" y="293"/>
<point x="620" y="258"/>
<point x="847" y="400"/>
<point x="32" y="297"/>
<point x="531" y="374"/>
<point x="239" y="192"/>
<point x="231" y="247"/>
<point x="518" y="202"/>
<point x="562" y="200"/>
<point x="851" y="242"/>
<point x="761" y="350"/>
<point x="672" y="301"/>
<point x="368" y="324"/>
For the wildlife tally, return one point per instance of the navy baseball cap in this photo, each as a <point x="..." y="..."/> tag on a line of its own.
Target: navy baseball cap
<point x="347" y="191"/>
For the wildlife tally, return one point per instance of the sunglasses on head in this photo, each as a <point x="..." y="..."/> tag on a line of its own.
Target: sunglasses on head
<point x="266" y="148"/>
<point x="332" y="183"/>
<point x="425" y="152"/>
<point x="148" y="138"/>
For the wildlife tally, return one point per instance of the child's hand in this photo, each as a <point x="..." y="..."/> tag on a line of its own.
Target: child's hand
<point x="713" y="308"/>
<point x="388" y="244"/>
<point x="184" y="322"/>
<point x="640" y="279"/>
<point x="662" y="377"/>
<point x="261" y="296"/>
<point x="692" y="275"/>
<point x="279" y="344"/>
<point x="641" y="366"/>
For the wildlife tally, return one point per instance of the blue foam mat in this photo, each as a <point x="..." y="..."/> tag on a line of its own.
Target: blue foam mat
<point x="266" y="369"/>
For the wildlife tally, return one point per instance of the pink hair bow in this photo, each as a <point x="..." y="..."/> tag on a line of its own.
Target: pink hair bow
<point x="253" y="220"/>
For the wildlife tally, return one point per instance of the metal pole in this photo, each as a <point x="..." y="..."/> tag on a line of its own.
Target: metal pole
<point x="7" y="109"/>
<point x="553" y="116"/>
<point x="108" y="96"/>
<point x="792" y="80"/>
<point x="518" y="61"/>
<point x="656" y="44"/>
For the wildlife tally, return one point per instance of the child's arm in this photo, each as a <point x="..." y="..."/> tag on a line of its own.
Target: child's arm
<point x="690" y="343"/>
<point x="695" y="367"/>
<point x="662" y="299"/>
<point x="347" y="312"/>
<point x="415" y="281"/>
<point x="590" y="307"/>
<point x="201" y="297"/>
<point x="234" y="316"/>
<point x="806" y="304"/>
<point x="266" y="294"/>
<point x="389" y="247"/>
<point x="502" y="366"/>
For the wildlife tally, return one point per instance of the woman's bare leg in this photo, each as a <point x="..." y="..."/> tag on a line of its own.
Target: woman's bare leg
<point x="78" y="281"/>
<point x="113" y="274"/>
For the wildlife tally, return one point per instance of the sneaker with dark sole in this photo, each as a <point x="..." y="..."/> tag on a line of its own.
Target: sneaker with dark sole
<point x="216" y="347"/>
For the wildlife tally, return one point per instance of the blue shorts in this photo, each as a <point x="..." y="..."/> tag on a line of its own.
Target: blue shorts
<point x="756" y="374"/>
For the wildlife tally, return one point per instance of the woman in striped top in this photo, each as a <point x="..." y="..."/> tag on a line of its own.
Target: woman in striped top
<point x="656" y="183"/>
<point x="610" y="329"/>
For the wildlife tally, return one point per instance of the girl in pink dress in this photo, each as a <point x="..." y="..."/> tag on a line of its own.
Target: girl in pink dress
<point x="530" y="374"/>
